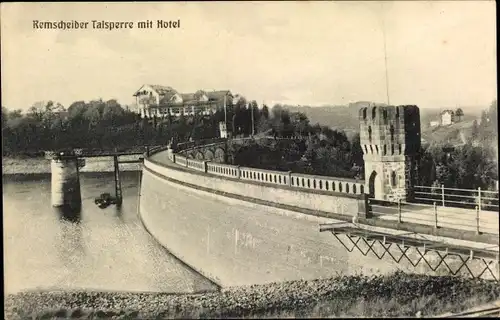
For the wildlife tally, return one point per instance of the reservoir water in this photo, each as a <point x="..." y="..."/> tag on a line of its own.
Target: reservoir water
<point x="99" y="249"/>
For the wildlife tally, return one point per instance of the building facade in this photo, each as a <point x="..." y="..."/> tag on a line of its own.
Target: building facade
<point x="160" y="101"/>
<point x="447" y="117"/>
<point x="390" y="139"/>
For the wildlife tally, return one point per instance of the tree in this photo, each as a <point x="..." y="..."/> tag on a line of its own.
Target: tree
<point x="493" y="115"/>
<point x="5" y="113"/>
<point x="302" y="123"/>
<point x="92" y="115"/>
<point x="265" y="112"/>
<point x="113" y="112"/>
<point x="484" y="118"/>
<point x="37" y="110"/>
<point x="475" y="130"/>
<point x="234" y="127"/>
<point x="357" y="152"/>
<point x="459" y="113"/>
<point x="76" y="113"/>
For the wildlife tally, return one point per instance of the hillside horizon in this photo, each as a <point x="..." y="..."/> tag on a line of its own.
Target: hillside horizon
<point x="345" y="118"/>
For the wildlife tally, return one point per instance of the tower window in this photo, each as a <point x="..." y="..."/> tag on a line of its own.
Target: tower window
<point x="399" y="146"/>
<point x="376" y="148"/>
<point x="392" y="149"/>
<point x="385" y="149"/>
<point x="392" y="132"/>
<point x="370" y="133"/>
<point x="393" y="179"/>
<point x="397" y="112"/>
<point x="385" y="114"/>
<point x="374" y="112"/>
<point x="364" y="113"/>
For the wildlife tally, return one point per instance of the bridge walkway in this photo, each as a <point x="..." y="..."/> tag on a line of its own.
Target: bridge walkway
<point x="449" y="217"/>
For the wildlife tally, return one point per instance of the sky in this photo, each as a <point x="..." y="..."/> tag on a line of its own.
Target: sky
<point x="439" y="54"/>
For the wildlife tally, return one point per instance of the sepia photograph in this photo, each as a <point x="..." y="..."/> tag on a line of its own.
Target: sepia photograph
<point x="250" y="159"/>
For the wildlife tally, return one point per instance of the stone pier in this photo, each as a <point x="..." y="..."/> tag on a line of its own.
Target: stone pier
<point x="65" y="184"/>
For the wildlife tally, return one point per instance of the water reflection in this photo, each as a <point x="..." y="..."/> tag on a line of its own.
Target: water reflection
<point x="70" y="214"/>
<point x="69" y="239"/>
<point x="119" y="213"/>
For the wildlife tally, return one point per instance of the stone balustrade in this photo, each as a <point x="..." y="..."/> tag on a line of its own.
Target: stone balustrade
<point x="181" y="160"/>
<point x="223" y="169"/>
<point x="199" y="165"/>
<point x="283" y="178"/>
<point x="324" y="183"/>
<point x="266" y="176"/>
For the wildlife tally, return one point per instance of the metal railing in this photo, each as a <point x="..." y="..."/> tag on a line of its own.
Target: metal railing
<point x="477" y="220"/>
<point x="460" y="198"/>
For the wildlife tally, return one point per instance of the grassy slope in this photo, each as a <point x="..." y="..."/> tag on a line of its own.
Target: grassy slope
<point x="396" y="295"/>
<point x="455" y="134"/>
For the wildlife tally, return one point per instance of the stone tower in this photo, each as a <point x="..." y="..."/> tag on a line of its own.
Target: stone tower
<point x="390" y="139"/>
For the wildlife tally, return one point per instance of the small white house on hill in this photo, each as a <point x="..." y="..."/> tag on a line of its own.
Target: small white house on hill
<point x="447" y="117"/>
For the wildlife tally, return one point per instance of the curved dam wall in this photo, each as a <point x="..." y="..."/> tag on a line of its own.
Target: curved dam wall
<point x="336" y="203"/>
<point x="236" y="242"/>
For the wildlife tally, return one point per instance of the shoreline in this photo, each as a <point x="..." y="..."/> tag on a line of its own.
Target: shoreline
<point x="40" y="165"/>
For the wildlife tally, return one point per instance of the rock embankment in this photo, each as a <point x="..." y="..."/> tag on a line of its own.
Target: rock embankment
<point x="395" y="295"/>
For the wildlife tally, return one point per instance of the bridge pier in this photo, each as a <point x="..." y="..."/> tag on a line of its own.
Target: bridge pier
<point x="65" y="182"/>
<point x="118" y="185"/>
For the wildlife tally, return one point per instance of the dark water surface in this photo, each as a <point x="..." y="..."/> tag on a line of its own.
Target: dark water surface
<point x="102" y="249"/>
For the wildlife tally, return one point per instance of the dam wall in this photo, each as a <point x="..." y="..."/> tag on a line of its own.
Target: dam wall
<point x="211" y="223"/>
<point x="257" y="184"/>
<point x="234" y="242"/>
